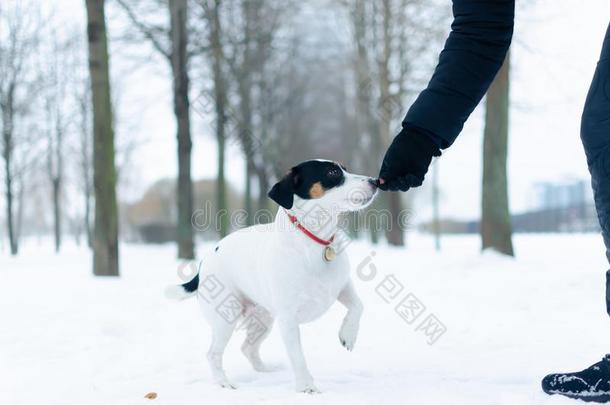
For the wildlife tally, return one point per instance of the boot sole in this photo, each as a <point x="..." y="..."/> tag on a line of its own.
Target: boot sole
<point x="600" y="398"/>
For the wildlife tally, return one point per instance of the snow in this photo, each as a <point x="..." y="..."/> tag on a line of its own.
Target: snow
<point x="69" y="338"/>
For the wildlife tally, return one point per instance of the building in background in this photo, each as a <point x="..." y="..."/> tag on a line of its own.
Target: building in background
<point x="565" y="206"/>
<point x="152" y="218"/>
<point x="568" y="193"/>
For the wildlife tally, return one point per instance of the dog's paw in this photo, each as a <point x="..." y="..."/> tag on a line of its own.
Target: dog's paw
<point x="348" y="334"/>
<point x="308" y="389"/>
<point x="227" y="384"/>
<point x="264" y="368"/>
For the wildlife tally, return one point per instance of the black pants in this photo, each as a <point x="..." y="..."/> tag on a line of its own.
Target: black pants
<point x="595" y="136"/>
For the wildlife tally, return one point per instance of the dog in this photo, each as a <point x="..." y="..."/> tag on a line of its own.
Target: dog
<point x="286" y="272"/>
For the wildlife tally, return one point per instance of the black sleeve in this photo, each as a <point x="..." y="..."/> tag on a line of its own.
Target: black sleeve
<point x="481" y="33"/>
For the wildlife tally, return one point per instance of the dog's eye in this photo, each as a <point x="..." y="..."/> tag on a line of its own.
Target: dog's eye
<point x="334" y="173"/>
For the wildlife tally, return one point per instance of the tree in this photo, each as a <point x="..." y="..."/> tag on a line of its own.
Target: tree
<point x="179" y="62"/>
<point x="243" y="66"/>
<point x="365" y="120"/>
<point x="172" y="44"/>
<point x="251" y="40"/>
<point x="395" y="231"/>
<point x="85" y="155"/>
<point x="105" y="242"/>
<point x="55" y="152"/>
<point x="495" y="220"/>
<point x="212" y="12"/>
<point x="387" y="35"/>
<point x="19" y="38"/>
<point x="58" y="69"/>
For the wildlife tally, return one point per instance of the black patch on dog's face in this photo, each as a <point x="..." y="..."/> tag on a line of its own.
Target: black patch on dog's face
<point x="308" y="180"/>
<point x="317" y="177"/>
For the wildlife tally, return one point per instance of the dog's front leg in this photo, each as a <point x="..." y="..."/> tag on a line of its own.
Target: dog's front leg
<point x="351" y="322"/>
<point x="292" y="340"/>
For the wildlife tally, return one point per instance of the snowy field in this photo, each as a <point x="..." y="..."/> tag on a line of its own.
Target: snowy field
<point x="69" y="338"/>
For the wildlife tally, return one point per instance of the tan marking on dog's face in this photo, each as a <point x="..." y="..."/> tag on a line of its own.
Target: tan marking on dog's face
<point x="316" y="190"/>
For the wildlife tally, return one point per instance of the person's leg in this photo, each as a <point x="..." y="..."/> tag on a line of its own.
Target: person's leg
<point x="593" y="383"/>
<point x="595" y="136"/>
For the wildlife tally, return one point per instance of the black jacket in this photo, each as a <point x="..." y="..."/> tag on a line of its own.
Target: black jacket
<point x="481" y="33"/>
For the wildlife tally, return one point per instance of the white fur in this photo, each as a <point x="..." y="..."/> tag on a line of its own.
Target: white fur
<point x="279" y="272"/>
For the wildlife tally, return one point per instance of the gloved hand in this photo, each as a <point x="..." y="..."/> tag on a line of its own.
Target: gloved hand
<point x="406" y="161"/>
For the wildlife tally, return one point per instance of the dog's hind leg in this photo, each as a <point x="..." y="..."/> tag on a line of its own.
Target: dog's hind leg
<point x="258" y="323"/>
<point x="351" y="322"/>
<point x="221" y="333"/>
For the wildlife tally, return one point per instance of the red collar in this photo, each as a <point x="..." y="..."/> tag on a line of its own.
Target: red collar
<point x="307" y="232"/>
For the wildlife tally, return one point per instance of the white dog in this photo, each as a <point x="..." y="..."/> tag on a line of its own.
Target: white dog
<point x="289" y="271"/>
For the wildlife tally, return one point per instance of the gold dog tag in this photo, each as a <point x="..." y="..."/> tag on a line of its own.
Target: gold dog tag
<point x="329" y="254"/>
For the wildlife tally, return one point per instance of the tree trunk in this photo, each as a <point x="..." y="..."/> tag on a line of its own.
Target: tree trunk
<point x="220" y="95"/>
<point x="436" y="220"/>
<point x="7" y="135"/>
<point x="495" y="221"/>
<point x="87" y="218"/>
<point x="248" y="193"/>
<point x="20" y="212"/>
<point x="86" y="157"/>
<point x="245" y="106"/>
<point x="105" y="244"/>
<point x="56" y="183"/>
<point x="394" y="233"/>
<point x="245" y="134"/>
<point x="263" y="186"/>
<point x="365" y="120"/>
<point x="179" y="62"/>
<point x="87" y="192"/>
<point x="222" y="207"/>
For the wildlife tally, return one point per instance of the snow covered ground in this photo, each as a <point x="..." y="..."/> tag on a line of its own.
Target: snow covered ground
<point x="69" y="338"/>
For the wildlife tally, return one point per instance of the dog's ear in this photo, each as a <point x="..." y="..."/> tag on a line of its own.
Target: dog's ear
<point x="283" y="191"/>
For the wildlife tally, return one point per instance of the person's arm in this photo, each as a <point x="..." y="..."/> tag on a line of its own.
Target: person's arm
<point x="480" y="36"/>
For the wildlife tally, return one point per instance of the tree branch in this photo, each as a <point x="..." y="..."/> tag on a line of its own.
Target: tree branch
<point x="147" y="31"/>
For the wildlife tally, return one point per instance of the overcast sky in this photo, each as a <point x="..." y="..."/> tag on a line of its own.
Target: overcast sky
<point x="555" y="50"/>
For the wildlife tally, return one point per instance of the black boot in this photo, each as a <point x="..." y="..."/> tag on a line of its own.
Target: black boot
<point x="591" y="384"/>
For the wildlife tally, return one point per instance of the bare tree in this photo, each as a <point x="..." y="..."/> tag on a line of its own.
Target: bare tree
<point x="387" y="36"/>
<point x="212" y="11"/>
<point x="105" y="243"/>
<point x="85" y="153"/>
<point x="19" y="26"/>
<point x="179" y="62"/>
<point x="172" y="43"/>
<point x="242" y="66"/>
<point x="366" y="125"/>
<point x="55" y="153"/>
<point x="81" y="143"/>
<point x="496" y="228"/>
<point x="58" y="76"/>
<point x="255" y="24"/>
<point x="386" y="103"/>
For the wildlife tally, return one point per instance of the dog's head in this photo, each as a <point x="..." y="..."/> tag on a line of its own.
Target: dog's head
<point x="324" y="183"/>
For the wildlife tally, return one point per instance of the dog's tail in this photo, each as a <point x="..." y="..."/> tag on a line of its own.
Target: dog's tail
<point x="183" y="291"/>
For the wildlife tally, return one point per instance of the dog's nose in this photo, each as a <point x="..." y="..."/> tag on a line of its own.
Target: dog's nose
<point x="373" y="182"/>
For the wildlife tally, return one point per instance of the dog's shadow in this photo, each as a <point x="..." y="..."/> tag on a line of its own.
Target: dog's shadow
<point x="272" y="373"/>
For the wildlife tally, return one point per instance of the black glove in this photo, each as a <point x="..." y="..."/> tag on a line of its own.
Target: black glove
<point x="406" y="161"/>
